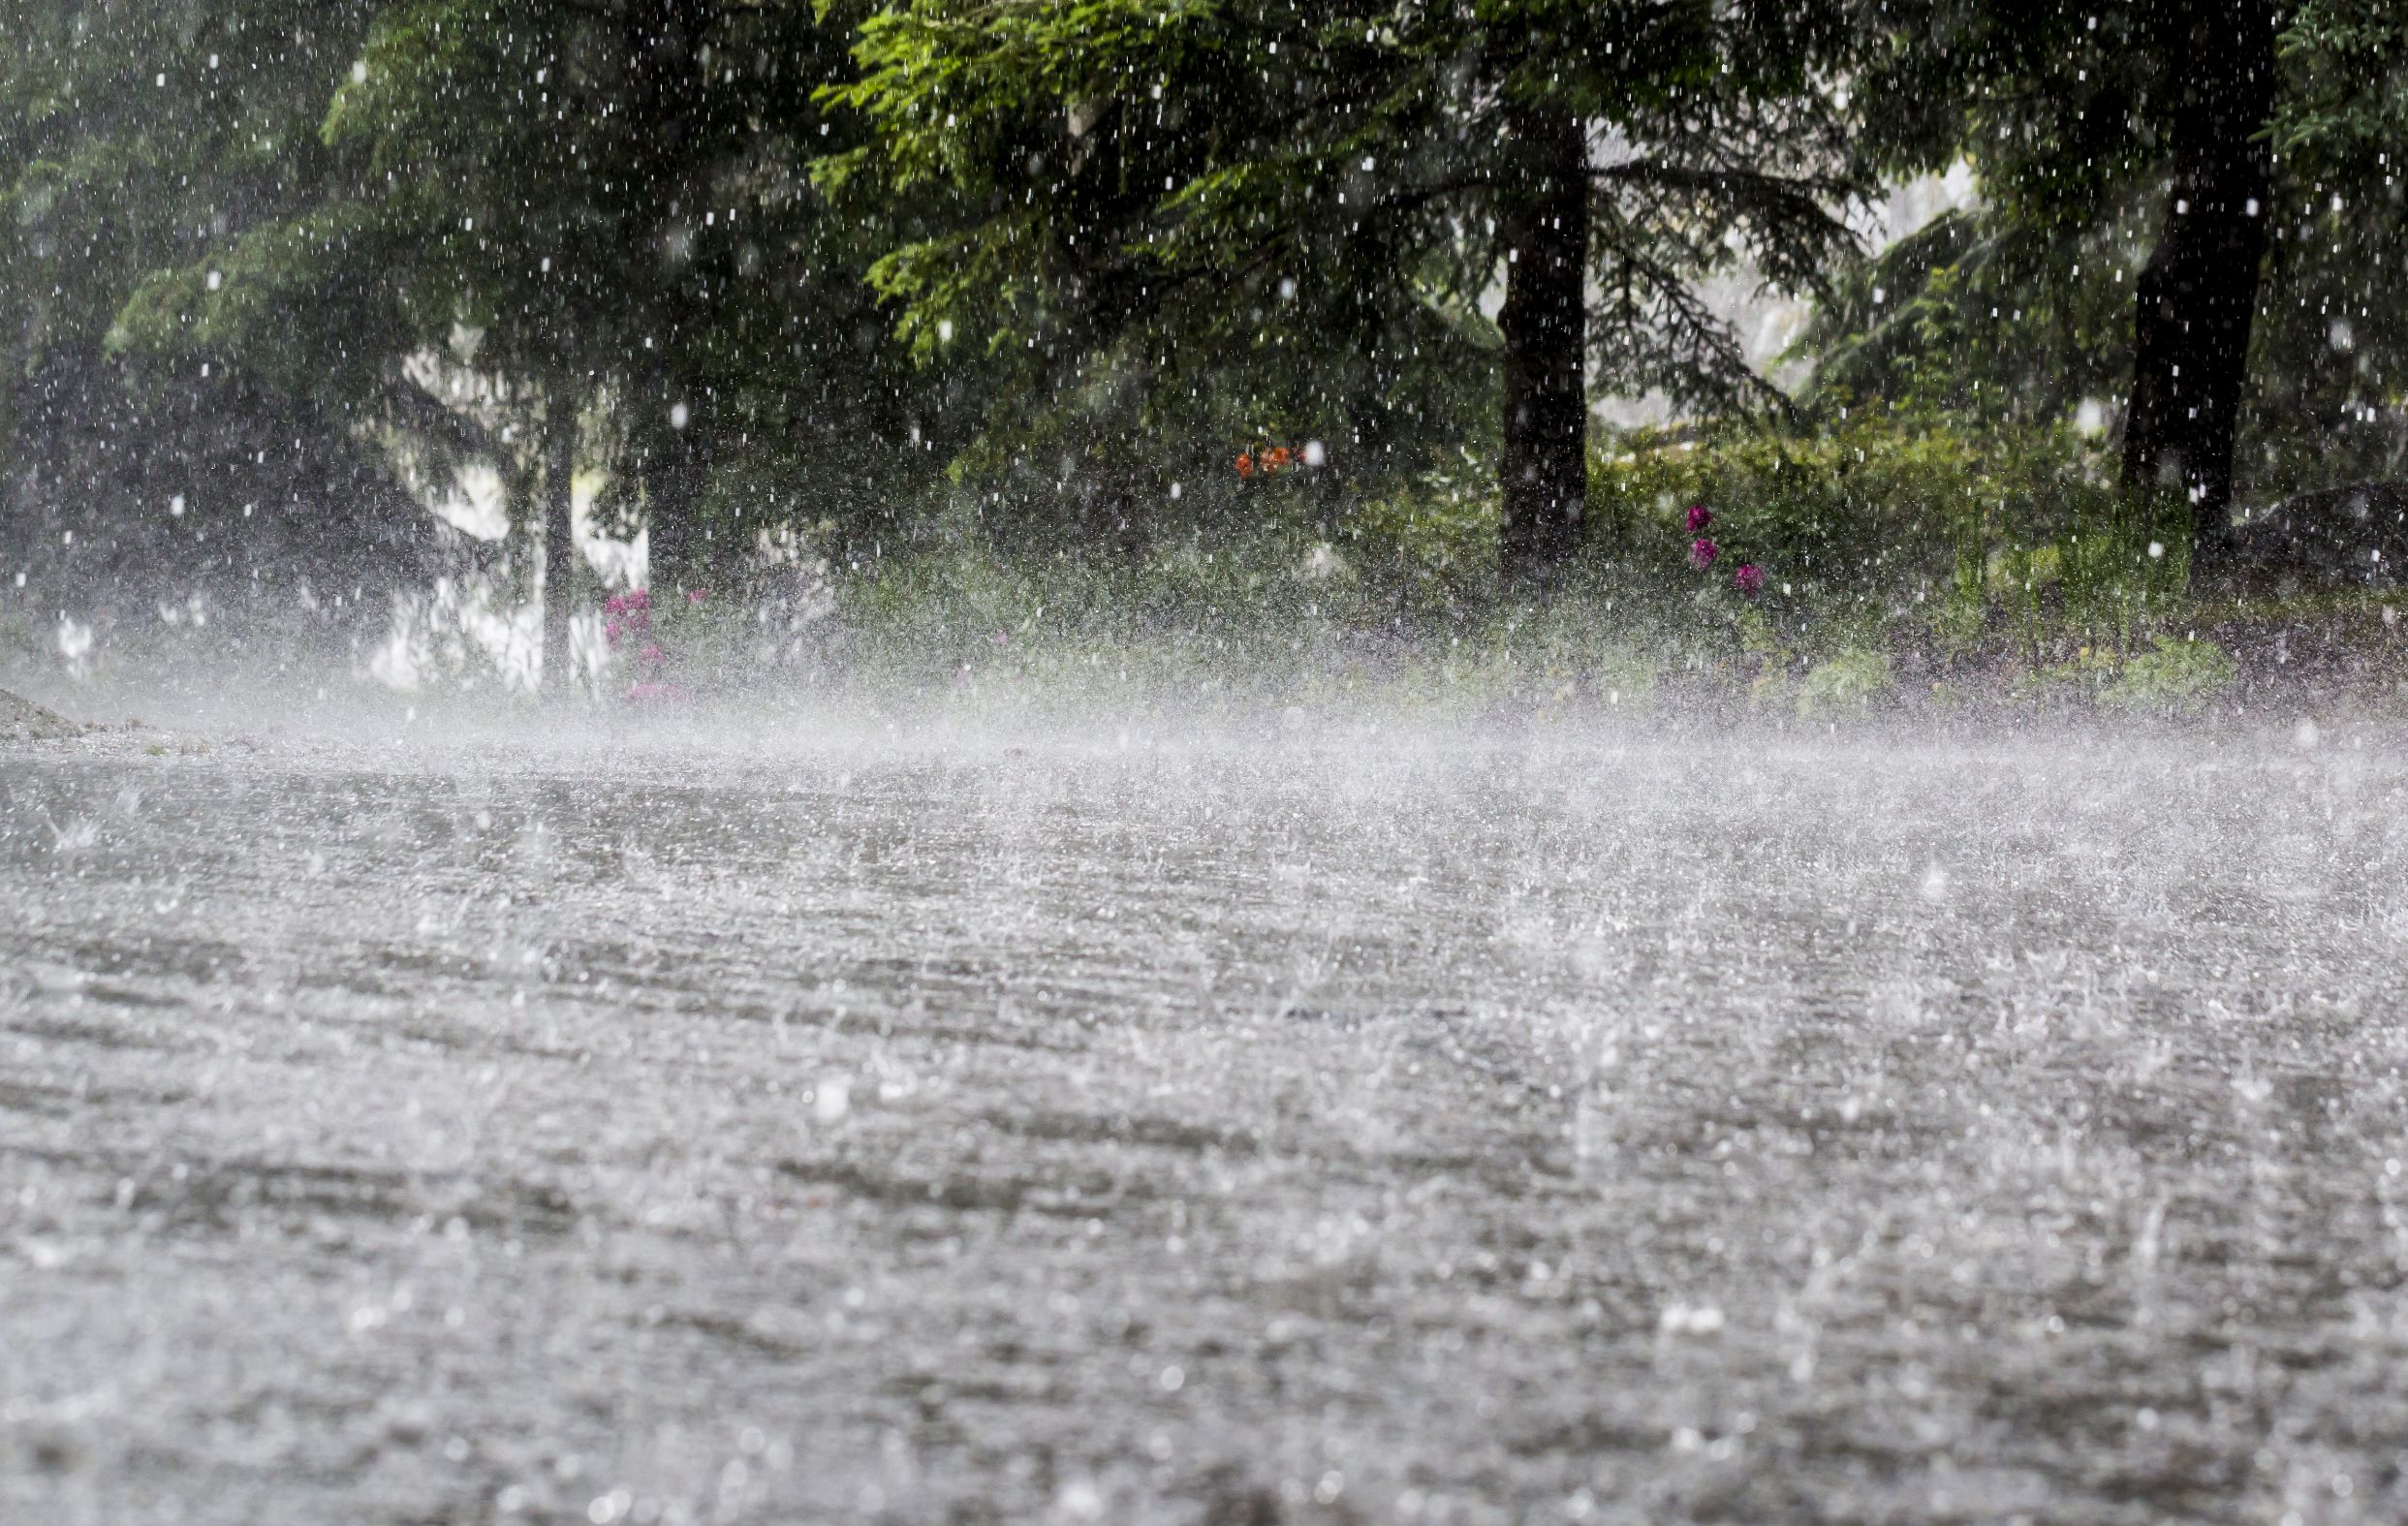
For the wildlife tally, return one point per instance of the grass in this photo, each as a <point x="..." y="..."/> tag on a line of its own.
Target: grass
<point x="1903" y="568"/>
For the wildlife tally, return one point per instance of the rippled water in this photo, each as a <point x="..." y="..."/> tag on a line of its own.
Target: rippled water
<point x="1332" y="1126"/>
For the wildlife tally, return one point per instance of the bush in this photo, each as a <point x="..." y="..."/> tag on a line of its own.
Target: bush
<point x="2176" y="677"/>
<point x="1912" y="530"/>
<point x="1846" y="685"/>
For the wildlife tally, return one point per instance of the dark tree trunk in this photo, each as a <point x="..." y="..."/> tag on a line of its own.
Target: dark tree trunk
<point x="558" y="678"/>
<point x="2198" y="294"/>
<point x="678" y="548"/>
<point x="1544" y="474"/>
<point x="663" y="39"/>
<point x="667" y="44"/>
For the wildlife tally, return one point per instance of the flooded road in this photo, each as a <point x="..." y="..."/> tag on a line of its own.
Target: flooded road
<point x="1357" y="1126"/>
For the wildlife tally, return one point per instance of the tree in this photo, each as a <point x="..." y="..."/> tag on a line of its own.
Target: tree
<point x="596" y="220"/>
<point x="2197" y="296"/>
<point x="1173" y="175"/>
<point x="2179" y="214"/>
<point x="2329" y="384"/>
<point x="135" y="137"/>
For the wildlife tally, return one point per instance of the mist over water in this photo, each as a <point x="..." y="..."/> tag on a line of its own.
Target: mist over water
<point x="1223" y="765"/>
<point x="861" y="1114"/>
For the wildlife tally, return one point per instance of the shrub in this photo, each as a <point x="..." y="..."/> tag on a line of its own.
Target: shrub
<point x="2176" y="677"/>
<point x="1845" y="685"/>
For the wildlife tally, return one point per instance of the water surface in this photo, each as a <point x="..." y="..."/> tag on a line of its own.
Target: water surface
<point x="1359" y="1125"/>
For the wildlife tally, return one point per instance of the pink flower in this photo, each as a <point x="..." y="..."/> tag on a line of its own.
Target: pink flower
<point x="651" y="654"/>
<point x="1749" y="579"/>
<point x="639" y="599"/>
<point x="695" y="596"/>
<point x="616" y="603"/>
<point x="611" y="631"/>
<point x="1002" y="638"/>
<point x="1699" y="516"/>
<point x="1701" y="553"/>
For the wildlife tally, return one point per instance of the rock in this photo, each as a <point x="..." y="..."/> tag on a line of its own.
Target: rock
<point x="2357" y="533"/>
<point x="24" y="720"/>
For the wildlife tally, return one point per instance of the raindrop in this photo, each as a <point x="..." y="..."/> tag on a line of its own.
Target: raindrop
<point x="831" y="1099"/>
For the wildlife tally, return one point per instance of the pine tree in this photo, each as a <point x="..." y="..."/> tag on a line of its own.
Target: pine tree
<point x="135" y="137"/>
<point x="1194" y="174"/>
<point x="594" y="221"/>
<point x="2183" y="208"/>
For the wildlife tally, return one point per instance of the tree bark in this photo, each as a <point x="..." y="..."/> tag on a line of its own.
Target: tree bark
<point x="663" y="86"/>
<point x="557" y="679"/>
<point x="667" y="43"/>
<point x="2198" y="294"/>
<point x="676" y="468"/>
<point x="1544" y="472"/>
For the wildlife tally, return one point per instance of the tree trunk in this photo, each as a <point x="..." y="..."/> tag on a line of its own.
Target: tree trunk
<point x="1544" y="474"/>
<point x="2198" y="294"/>
<point x="676" y="468"/>
<point x="665" y="42"/>
<point x="667" y="47"/>
<point x="557" y="679"/>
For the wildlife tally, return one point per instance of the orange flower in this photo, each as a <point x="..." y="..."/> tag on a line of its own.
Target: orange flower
<point x="1245" y="464"/>
<point x="1277" y="460"/>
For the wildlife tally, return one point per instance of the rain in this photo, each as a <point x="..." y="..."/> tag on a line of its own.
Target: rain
<point x="1201" y="761"/>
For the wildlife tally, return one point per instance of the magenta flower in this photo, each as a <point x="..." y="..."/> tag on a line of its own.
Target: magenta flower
<point x="1699" y="516"/>
<point x="651" y="654"/>
<point x="610" y="631"/>
<point x="1701" y="553"/>
<point x="1749" y="579"/>
<point x="695" y="596"/>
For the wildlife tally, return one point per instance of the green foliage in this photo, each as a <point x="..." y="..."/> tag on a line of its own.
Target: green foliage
<point x="1291" y="213"/>
<point x="1908" y="506"/>
<point x="2175" y="676"/>
<point x="955" y="286"/>
<point x="137" y="137"/>
<point x="1849" y="684"/>
<point x="1433" y="542"/>
<point x="522" y="200"/>
<point x="142" y="135"/>
<point x="1956" y="318"/>
<point x="2018" y="308"/>
<point x="2042" y="590"/>
<point x="2353" y="77"/>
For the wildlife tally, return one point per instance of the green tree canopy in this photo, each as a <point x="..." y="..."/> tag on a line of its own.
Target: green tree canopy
<point x="2022" y="306"/>
<point x="1268" y="188"/>
<point x="137" y="137"/>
